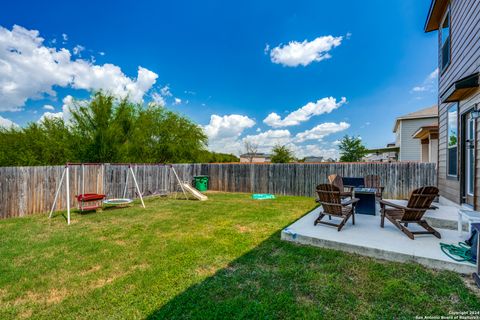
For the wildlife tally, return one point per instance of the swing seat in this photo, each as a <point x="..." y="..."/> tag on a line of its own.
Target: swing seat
<point x="89" y="208"/>
<point x="87" y="197"/>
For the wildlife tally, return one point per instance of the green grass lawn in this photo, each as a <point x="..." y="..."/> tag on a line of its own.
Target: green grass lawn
<point x="222" y="258"/>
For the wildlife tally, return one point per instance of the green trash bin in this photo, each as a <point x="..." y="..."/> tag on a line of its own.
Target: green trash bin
<point x="201" y="183"/>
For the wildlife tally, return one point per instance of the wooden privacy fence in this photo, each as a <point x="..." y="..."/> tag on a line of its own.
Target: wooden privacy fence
<point x="28" y="190"/>
<point x="299" y="179"/>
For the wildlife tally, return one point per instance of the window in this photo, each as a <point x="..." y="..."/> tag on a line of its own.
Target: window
<point x="470" y="153"/>
<point x="452" y="142"/>
<point x="445" y="42"/>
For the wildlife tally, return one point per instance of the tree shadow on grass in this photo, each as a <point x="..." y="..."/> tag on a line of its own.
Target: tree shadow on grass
<point x="278" y="279"/>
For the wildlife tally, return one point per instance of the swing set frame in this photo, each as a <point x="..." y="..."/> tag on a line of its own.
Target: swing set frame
<point x="66" y="177"/>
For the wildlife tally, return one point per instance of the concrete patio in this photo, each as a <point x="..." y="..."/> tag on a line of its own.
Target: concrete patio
<point x="367" y="238"/>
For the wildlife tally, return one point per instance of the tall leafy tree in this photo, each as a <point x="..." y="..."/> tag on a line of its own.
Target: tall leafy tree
<point x="165" y="136"/>
<point x="102" y="127"/>
<point x="209" y="157"/>
<point x="281" y="154"/>
<point x="351" y="149"/>
<point x="106" y="129"/>
<point x="48" y="142"/>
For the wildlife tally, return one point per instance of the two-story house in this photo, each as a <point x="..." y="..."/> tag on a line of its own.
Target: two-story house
<point x="406" y="129"/>
<point x="458" y="26"/>
<point x="416" y="139"/>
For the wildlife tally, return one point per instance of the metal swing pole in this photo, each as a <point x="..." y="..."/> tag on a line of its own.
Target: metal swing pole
<point x="68" y="194"/>
<point x="83" y="179"/>
<point x="126" y="185"/>
<point x="58" y="191"/>
<point x="136" y="185"/>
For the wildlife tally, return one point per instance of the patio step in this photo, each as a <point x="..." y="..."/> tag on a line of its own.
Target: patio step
<point x="444" y="223"/>
<point x="445" y="217"/>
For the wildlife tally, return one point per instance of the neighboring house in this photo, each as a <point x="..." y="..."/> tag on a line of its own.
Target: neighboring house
<point x="313" y="159"/>
<point x="458" y="26"/>
<point x="375" y="157"/>
<point x="405" y="128"/>
<point x="255" y="157"/>
<point x="392" y="152"/>
<point x="387" y="154"/>
<point x="428" y="137"/>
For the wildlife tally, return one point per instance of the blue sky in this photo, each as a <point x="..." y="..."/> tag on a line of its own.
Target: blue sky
<point x="212" y="56"/>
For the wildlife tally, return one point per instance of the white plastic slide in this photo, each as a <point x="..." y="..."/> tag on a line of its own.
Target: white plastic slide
<point x="194" y="192"/>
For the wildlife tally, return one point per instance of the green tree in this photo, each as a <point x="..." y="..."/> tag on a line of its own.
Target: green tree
<point x="281" y="154"/>
<point x="351" y="149"/>
<point x="48" y="142"/>
<point x="215" y="157"/>
<point x="106" y="129"/>
<point x="165" y="136"/>
<point x="102" y="127"/>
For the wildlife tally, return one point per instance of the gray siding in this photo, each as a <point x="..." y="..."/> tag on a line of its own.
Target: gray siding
<point x="410" y="148"/>
<point x="465" y="60"/>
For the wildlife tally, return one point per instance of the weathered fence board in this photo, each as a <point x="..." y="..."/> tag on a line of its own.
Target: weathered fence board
<point x="27" y="190"/>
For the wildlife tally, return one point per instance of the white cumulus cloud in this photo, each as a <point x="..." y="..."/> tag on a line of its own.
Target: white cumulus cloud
<point x="48" y="107"/>
<point x="178" y="101"/>
<point x="158" y="99"/>
<point x="224" y="132"/>
<point x="68" y="104"/>
<point x="428" y="84"/>
<point x="77" y="50"/>
<point x="30" y="70"/>
<point x="325" y="105"/>
<point x="50" y="115"/>
<point x="321" y="131"/>
<point x="419" y="89"/>
<point x="268" y="139"/>
<point x="266" y="50"/>
<point x="165" y="91"/>
<point x="315" y="150"/>
<point x="303" y="53"/>
<point x="7" y="123"/>
<point x="227" y="126"/>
